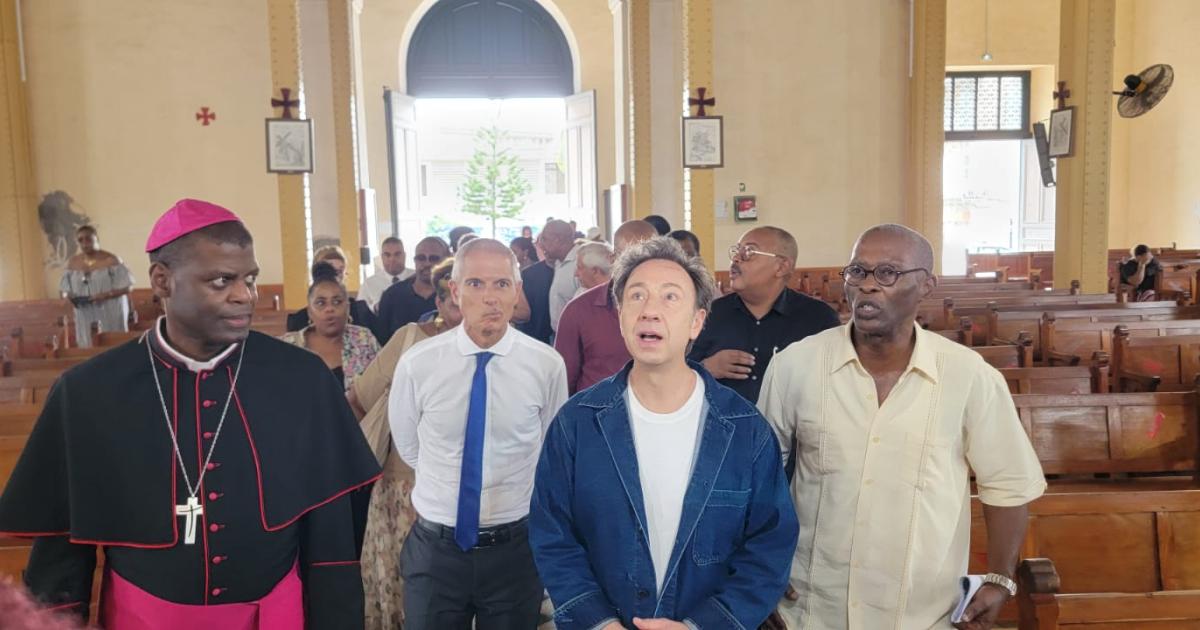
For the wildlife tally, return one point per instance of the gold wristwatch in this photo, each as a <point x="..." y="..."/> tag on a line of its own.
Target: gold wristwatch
<point x="1003" y="582"/>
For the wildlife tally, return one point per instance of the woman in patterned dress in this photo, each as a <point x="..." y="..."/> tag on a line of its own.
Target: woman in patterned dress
<point x="391" y="514"/>
<point x="347" y="349"/>
<point x="96" y="282"/>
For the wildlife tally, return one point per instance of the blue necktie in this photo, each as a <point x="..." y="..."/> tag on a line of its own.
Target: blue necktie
<point x="470" y="483"/>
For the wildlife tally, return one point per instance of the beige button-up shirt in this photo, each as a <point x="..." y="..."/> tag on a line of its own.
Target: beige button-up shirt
<point x="883" y="492"/>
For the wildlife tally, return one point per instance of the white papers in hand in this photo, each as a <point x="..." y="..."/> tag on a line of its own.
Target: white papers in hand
<point x="967" y="587"/>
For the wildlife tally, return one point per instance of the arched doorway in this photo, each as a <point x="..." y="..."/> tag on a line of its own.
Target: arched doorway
<point x="503" y="65"/>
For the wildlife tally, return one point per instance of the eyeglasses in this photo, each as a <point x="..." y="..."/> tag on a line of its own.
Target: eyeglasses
<point x="738" y="252"/>
<point x="885" y="275"/>
<point x="433" y="259"/>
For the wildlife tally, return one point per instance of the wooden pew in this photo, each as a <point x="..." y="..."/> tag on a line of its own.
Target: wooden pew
<point x="1007" y="320"/>
<point x="14" y="555"/>
<point x="964" y="334"/>
<point x="1043" y="607"/>
<point x="1141" y="364"/>
<point x="38" y="367"/>
<point x="1147" y="433"/>
<point x="1014" y="355"/>
<point x="18" y="420"/>
<point x="1068" y="340"/>
<point x="1016" y="265"/>
<point x="27" y="389"/>
<point x="1082" y="379"/>
<point x="937" y="314"/>
<point x="1088" y="525"/>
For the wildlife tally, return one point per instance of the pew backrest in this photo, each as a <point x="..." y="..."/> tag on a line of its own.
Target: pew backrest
<point x="1082" y="379"/>
<point x="1080" y="338"/>
<point x="1112" y="433"/>
<point x="1042" y="606"/>
<point x="1013" y="355"/>
<point x="1170" y="363"/>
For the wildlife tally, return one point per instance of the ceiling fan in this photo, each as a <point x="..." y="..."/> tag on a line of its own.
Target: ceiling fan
<point x="1144" y="90"/>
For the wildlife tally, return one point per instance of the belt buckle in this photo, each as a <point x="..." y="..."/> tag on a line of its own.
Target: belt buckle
<point x="487" y="538"/>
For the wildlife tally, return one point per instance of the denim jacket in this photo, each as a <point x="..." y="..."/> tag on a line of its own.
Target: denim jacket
<point x="587" y="523"/>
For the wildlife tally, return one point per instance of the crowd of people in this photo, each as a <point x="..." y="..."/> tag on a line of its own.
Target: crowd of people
<point x="553" y="432"/>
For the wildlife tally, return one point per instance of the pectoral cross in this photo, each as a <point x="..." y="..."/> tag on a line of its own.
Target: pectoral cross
<point x="191" y="512"/>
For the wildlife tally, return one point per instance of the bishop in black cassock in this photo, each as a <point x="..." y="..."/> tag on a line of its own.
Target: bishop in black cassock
<point x="268" y="540"/>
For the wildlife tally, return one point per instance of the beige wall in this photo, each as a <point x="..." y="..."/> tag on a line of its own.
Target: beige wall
<point x="113" y="92"/>
<point x="318" y="103"/>
<point x="1021" y="32"/>
<point x="666" y="106"/>
<point x="383" y="27"/>
<point x="1118" y="165"/>
<point x="821" y="143"/>
<point x="1162" y="204"/>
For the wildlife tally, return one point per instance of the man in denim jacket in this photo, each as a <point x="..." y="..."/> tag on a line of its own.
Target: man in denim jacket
<point x="659" y="500"/>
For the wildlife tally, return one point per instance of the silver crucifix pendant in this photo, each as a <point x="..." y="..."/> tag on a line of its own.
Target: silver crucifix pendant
<point x="191" y="512"/>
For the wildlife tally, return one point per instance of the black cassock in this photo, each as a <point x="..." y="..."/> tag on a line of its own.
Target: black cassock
<point x="99" y="470"/>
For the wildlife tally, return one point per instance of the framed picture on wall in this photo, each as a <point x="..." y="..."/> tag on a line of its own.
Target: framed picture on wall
<point x="745" y="208"/>
<point x="1062" y="127"/>
<point x="289" y="145"/>
<point x="703" y="142"/>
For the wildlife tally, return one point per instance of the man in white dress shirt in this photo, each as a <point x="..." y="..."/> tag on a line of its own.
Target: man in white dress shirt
<point x="391" y="254"/>
<point x="469" y="410"/>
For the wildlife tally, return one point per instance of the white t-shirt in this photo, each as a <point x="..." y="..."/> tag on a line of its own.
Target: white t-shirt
<point x="665" y="444"/>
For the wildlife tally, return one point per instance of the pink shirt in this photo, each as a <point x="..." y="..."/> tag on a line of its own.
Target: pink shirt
<point x="589" y="339"/>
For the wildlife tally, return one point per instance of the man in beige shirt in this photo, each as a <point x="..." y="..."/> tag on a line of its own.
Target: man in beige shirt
<point x="888" y="421"/>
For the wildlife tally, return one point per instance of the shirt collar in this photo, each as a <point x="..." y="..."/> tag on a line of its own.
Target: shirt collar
<point x="186" y="361"/>
<point x="782" y="304"/>
<point x="466" y="346"/>
<point x="923" y="360"/>
<point x="603" y="297"/>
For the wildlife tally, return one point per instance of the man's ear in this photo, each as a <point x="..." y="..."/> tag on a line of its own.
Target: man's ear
<point x="928" y="285"/>
<point x="160" y="280"/>
<point x="698" y="323"/>
<point x="786" y="266"/>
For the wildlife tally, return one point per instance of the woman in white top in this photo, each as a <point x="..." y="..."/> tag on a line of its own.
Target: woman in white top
<point x="96" y="282"/>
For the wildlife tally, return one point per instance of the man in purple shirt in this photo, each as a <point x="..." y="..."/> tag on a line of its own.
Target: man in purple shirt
<point x="589" y="335"/>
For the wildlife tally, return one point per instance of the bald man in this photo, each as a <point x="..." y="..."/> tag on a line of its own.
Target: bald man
<point x="589" y="334"/>
<point x="888" y="421"/>
<point x="761" y="316"/>
<point x="557" y="240"/>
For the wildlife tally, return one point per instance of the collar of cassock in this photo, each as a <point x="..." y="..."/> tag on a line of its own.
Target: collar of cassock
<point x="170" y="354"/>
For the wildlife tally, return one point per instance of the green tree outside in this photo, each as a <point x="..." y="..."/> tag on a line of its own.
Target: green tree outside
<point x="495" y="187"/>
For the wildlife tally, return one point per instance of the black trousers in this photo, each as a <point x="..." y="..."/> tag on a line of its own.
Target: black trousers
<point x="446" y="588"/>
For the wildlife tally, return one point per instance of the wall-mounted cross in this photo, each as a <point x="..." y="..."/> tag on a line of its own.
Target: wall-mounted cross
<point x="1062" y="94"/>
<point x="206" y="116"/>
<point x="287" y="103"/>
<point x="701" y="101"/>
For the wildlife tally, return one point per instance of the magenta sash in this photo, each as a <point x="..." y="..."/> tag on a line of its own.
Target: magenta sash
<point x="127" y="607"/>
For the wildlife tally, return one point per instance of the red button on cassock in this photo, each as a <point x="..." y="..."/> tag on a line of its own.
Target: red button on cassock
<point x="208" y="435"/>
<point x="217" y="559"/>
<point x="214" y="527"/>
<point x="212" y="496"/>
<point x="211" y="465"/>
<point x="209" y="403"/>
<point x="216" y="591"/>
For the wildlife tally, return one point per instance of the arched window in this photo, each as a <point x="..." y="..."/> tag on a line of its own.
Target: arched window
<point x="489" y="49"/>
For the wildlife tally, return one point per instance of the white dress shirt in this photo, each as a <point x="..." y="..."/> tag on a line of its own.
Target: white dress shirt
<point x="563" y="286"/>
<point x="373" y="287"/>
<point x="427" y="409"/>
